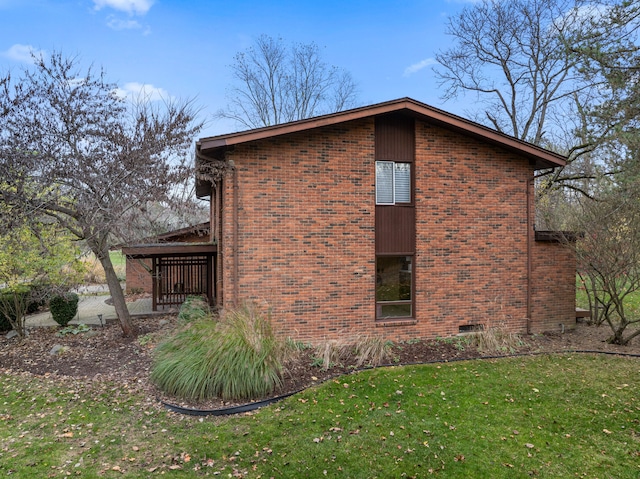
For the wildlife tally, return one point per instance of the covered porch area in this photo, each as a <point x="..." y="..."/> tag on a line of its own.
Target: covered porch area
<point x="177" y="270"/>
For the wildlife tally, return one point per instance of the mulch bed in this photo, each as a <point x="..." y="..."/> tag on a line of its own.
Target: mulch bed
<point x="103" y="354"/>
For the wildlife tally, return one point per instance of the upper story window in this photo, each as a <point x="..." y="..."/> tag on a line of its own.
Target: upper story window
<point x="393" y="182"/>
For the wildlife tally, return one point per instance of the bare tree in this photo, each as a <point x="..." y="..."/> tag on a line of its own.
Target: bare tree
<point x="74" y="151"/>
<point x="608" y="258"/>
<point x="512" y="55"/>
<point x="276" y="83"/>
<point x="536" y="67"/>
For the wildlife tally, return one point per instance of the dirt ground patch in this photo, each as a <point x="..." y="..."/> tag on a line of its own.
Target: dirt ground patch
<point x="103" y="353"/>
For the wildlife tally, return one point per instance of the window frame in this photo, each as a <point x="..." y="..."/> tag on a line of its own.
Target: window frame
<point x="399" y="302"/>
<point x="394" y="188"/>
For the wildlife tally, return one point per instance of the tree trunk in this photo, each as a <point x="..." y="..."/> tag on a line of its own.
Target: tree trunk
<point x="616" y="339"/>
<point x="117" y="295"/>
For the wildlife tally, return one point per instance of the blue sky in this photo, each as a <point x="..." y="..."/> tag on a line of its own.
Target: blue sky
<point x="183" y="49"/>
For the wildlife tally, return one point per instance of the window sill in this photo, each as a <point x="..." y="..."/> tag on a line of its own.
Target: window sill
<point x="390" y="323"/>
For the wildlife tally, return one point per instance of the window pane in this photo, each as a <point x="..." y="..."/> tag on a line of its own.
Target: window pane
<point x="393" y="278"/>
<point x="384" y="182"/>
<point x="403" y="183"/>
<point x="395" y="310"/>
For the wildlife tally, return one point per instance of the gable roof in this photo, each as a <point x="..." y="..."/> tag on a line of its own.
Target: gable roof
<point x="173" y="236"/>
<point x="215" y="146"/>
<point x="201" y="229"/>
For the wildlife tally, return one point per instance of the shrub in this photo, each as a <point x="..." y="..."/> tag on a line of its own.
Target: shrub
<point x="40" y="293"/>
<point x="63" y="308"/>
<point x="235" y="358"/>
<point x="5" y="325"/>
<point x="34" y="306"/>
<point x="13" y="305"/>
<point x="193" y="308"/>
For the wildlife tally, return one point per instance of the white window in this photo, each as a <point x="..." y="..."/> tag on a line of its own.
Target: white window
<point x="393" y="182"/>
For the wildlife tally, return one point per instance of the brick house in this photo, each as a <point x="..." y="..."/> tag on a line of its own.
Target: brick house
<point x="395" y="219"/>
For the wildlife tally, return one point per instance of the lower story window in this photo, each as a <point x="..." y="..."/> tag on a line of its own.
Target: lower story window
<point x="394" y="287"/>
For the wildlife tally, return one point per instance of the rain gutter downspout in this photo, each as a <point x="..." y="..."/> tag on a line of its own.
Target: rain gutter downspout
<point x="215" y="229"/>
<point x="218" y="241"/>
<point x="530" y="232"/>
<point x="236" y="260"/>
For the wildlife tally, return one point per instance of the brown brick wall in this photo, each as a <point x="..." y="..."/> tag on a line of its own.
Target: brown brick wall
<point x="306" y="233"/>
<point x="471" y="225"/>
<point x="554" y="287"/>
<point x="138" y="278"/>
<point x="306" y="230"/>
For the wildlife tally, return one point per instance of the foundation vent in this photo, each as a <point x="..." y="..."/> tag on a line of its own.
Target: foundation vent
<point x="470" y="328"/>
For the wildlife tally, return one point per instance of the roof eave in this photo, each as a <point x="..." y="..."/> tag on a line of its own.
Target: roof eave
<point x="541" y="157"/>
<point x="141" y="251"/>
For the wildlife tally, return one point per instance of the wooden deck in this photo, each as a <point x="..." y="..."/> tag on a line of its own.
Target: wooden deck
<point x="582" y="313"/>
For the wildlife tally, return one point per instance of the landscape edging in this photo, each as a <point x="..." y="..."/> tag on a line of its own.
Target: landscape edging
<point x="248" y="407"/>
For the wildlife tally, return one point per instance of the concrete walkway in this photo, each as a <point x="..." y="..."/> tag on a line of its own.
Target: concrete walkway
<point x="91" y="304"/>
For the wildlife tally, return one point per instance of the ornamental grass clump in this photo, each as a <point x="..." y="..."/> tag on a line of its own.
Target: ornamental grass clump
<point x="332" y="352"/>
<point x="367" y="351"/>
<point x="497" y="339"/>
<point x="237" y="357"/>
<point x="194" y="307"/>
<point x="250" y="357"/>
<point x="373" y="351"/>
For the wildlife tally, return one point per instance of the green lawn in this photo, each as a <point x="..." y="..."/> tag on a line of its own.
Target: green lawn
<point x="631" y="301"/>
<point x="95" y="273"/>
<point x="582" y="301"/>
<point x="119" y="264"/>
<point x="543" y="416"/>
<point x="117" y="258"/>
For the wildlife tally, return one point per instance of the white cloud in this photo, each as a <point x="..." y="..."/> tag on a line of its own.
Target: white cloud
<point x="22" y="53"/>
<point x="583" y="14"/>
<point x="118" y="24"/>
<point x="416" y="67"/>
<point x="142" y="92"/>
<point x="132" y="7"/>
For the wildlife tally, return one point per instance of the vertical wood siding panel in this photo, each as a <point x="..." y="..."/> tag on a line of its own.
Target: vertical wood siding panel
<point x="395" y="229"/>
<point x="395" y="138"/>
<point x="395" y="225"/>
